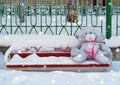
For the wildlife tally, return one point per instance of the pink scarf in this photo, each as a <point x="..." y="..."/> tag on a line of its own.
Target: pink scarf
<point x="91" y="50"/>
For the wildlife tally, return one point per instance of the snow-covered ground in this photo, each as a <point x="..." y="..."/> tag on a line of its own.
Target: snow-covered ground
<point x="13" y="77"/>
<point x="58" y="78"/>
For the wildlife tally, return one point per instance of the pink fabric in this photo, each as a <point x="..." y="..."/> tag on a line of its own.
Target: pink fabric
<point x="91" y="50"/>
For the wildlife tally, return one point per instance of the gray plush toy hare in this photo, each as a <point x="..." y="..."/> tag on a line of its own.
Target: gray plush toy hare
<point x="91" y="47"/>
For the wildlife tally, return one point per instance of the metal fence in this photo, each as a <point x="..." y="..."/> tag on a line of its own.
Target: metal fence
<point x="49" y="16"/>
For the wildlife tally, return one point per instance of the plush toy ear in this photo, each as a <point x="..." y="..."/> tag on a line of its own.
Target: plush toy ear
<point x="80" y="36"/>
<point x="99" y="36"/>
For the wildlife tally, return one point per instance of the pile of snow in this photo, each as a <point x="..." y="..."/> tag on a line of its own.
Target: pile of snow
<point x="34" y="59"/>
<point x="5" y="41"/>
<point x="19" y="41"/>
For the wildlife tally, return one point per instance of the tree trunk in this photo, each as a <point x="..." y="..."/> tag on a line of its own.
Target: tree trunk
<point x="104" y="3"/>
<point x="22" y="11"/>
<point x="35" y="6"/>
<point x="72" y="15"/>
<point x="94" y="5"/>
<point x="94" y="2"/>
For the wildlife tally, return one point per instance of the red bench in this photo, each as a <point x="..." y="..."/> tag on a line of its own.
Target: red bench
<point x="57" y="52"/>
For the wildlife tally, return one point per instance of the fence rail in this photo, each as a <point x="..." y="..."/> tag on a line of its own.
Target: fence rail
<point x="49" y="17"/>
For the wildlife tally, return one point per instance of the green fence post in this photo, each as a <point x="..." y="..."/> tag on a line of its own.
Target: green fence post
<point x="108" y="18"/>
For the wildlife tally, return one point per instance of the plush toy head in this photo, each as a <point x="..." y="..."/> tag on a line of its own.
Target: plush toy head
<point x="89" y="34"/>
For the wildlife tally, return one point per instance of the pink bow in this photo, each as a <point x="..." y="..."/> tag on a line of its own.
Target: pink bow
<point x="91" y="50"/>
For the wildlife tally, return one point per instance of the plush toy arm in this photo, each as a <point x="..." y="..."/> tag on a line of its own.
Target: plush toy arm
<point x="75" y="51"/>
<point x="106" y="50"/>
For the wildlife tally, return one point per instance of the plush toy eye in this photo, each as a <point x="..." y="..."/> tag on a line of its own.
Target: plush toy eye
<point x="77" y="36"/>
<point x="90" y="32"/>
<point x="85" y="33"/>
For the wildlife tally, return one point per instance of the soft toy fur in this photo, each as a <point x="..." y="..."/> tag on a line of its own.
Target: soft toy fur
<point x="91" y="47"/>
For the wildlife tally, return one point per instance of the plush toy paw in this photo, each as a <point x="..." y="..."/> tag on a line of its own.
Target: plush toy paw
<point x="79" y="58"/>
<point x="102" y="59"/>
<point x="75" y="52"/>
